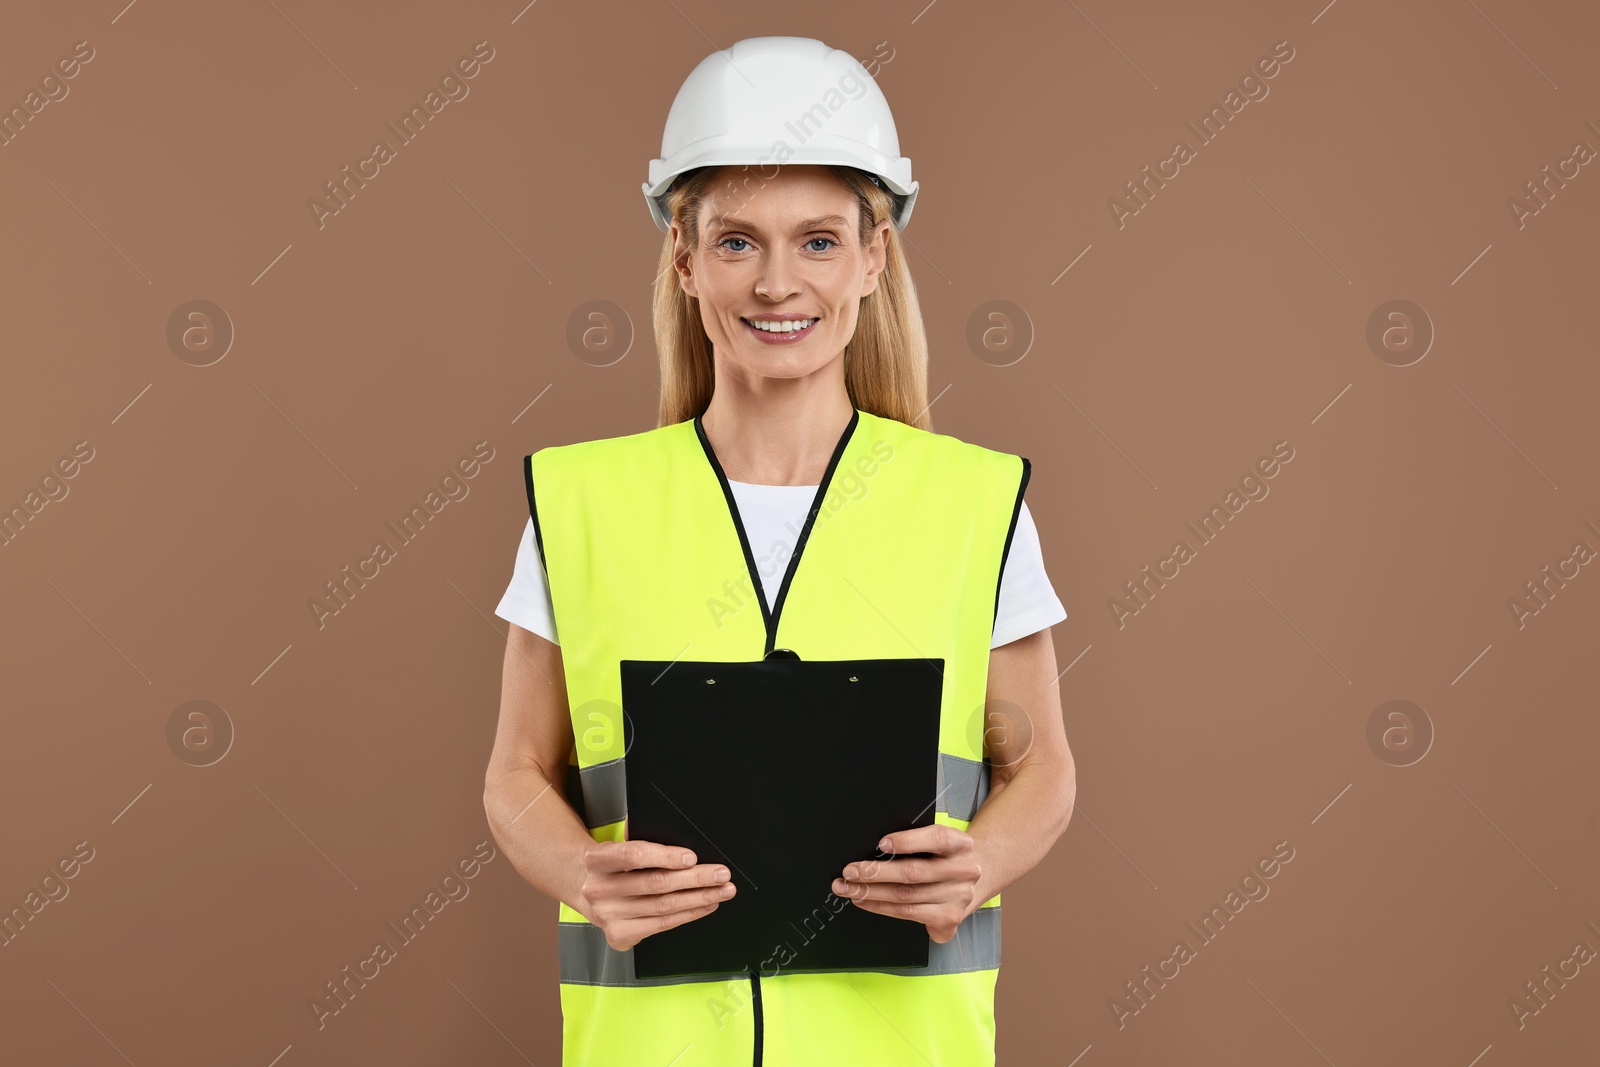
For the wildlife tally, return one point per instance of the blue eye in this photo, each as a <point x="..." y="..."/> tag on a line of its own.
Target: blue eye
<point x="829" y="241"/>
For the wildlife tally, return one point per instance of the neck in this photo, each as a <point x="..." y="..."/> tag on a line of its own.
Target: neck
<point x="776" y="431"/>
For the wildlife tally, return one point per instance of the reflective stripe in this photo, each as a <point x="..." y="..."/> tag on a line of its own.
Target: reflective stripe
<point x="586" y="958"/>
<point x="600" y="794"/>
<point x="968" y="782"/>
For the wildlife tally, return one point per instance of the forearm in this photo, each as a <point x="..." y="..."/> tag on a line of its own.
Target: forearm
<point x="1020" y="820"/>
<point x="539" y="832"/>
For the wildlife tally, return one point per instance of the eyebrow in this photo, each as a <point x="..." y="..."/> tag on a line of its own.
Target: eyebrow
<point x="728" y="222"/>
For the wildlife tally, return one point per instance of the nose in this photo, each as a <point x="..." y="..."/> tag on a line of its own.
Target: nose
<point x="778" y="279"/>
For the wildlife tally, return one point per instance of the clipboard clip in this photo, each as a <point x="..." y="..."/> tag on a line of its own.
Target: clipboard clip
<point x="782" y="653"/>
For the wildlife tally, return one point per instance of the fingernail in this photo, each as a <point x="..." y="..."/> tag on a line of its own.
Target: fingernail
<point x="852" y="871"/>
<point x="722" y="875"/>
<point x="884" y="844"/>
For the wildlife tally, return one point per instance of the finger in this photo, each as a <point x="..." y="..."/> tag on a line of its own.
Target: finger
<point x="903" y="893"/>
<point x="631" y="932"/>
<point x="936" y="837"/>
<point x="911" y="869"/>
<point x="635" y="855"/>
<point x="916" y="912"/>
<point x="647" y="907"/>
<point x="655" y="881"/>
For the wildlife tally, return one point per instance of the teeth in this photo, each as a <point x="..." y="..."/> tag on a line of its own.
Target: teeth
<point x="785" y="326"/>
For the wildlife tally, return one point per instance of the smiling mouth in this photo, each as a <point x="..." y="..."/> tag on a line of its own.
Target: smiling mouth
<point x="780" y="331"/>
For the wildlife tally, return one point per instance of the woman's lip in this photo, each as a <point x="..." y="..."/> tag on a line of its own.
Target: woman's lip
<point x="786" y="338"/>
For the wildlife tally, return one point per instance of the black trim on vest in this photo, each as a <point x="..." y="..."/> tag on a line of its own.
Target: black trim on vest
<point x="761" y="1041"/>
<point x="1016" y="512"/>
<point x="770" y="616"/>
<point x="575" y="792"/>
<point x="533" y="510"/>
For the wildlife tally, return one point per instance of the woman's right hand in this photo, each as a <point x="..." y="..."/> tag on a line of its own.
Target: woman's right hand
<point x="633" y="889"/>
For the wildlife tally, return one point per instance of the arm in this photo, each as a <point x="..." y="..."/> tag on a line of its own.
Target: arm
<point x="1033" y="780"/>
<point x="630" y="889"/>
<point x="1031" y="790"/>
<point x="525" y="787"/>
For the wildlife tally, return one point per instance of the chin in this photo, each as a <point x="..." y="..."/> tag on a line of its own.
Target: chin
<point x="782" y="369"/>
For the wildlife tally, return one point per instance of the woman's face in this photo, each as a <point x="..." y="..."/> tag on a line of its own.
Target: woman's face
<point x="781" y="253"/>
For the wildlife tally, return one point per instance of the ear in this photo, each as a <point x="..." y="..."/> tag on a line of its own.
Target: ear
<point x="682" y="261"/>
<point x="877" y="256"/>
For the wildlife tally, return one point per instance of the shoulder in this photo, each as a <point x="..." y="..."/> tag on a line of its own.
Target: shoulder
<point x="631" y="449"/>
<point x="950" y="453"/>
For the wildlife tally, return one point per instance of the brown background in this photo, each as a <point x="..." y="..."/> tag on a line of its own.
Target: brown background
<point x="371" y="353"/>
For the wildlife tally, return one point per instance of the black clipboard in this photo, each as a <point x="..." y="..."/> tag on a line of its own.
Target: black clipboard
<point x="826" y="756"/>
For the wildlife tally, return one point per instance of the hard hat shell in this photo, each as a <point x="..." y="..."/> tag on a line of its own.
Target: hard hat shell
<point x="768" y="101"/>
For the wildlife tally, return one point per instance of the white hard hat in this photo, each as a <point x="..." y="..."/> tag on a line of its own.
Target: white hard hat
<point x="766" y="101"/>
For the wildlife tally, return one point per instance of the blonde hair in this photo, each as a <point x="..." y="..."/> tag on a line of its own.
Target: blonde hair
<point x="885" y="362"/>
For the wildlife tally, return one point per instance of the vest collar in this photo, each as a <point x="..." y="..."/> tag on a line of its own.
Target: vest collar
<point x="770" y="615"/>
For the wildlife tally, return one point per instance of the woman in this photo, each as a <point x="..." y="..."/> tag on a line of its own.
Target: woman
<point x="793" y="426"/>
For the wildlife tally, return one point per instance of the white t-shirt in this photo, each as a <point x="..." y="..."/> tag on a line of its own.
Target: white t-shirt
<point x="773" y="516"/>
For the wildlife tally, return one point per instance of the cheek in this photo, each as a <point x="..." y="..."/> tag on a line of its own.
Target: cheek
<point x="714" y="321"/>
<point x="844" y="320"/>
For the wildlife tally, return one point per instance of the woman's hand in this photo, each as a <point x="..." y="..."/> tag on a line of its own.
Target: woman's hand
<point x="937" y="891"/>
<point x="632" y="889"/>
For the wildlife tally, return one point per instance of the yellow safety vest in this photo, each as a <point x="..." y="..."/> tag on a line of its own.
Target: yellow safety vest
<point x="900" y="556"/>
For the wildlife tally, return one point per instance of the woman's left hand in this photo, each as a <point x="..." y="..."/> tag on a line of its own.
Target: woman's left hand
<point x="936" y="891"/>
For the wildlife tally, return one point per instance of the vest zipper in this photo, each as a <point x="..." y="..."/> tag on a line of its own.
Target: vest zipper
<point x="755" y="993"/>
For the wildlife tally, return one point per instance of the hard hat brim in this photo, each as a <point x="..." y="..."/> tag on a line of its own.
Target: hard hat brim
<point x="663" y="172"/>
